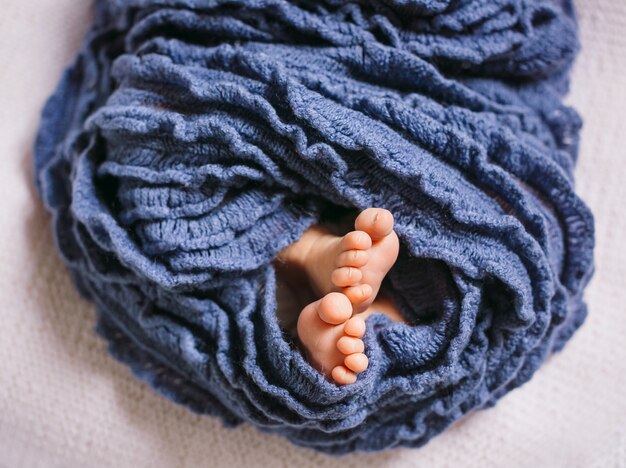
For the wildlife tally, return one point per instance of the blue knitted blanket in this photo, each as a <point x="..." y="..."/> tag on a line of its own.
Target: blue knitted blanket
<point x="192" y="140"/>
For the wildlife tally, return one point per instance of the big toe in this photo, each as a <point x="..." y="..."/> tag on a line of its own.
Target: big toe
<point x="377" y="222"/>
<point x="334" y="308"/>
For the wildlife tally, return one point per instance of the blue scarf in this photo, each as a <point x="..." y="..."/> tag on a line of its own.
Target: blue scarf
<point x="192" y="140"/>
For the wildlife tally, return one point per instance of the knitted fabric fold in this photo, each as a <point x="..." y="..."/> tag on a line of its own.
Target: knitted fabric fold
<point x="192" y="140"/>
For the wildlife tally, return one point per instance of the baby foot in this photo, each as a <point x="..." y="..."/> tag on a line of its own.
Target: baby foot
<point x="332" y="338"/>
<point x="378" y="224"/>
<point x="356" y="263"/>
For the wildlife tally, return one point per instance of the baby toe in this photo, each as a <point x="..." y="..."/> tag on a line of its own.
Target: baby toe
<point x="350" y="345"/>
<point x="353" y="258"/>
<point x="355" y="327"/>
<point x="334" y="308"/>
<point x="343" y="376"/>
<point x="377" y="222"/>
<point x="356" y="240"/>
<point x="346" y="276"/>
<point x="359" y="293"/>
<point x="356" y="362"/>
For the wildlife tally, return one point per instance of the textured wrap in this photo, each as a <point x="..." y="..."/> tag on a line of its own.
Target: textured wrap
<point x="192" y="140"/>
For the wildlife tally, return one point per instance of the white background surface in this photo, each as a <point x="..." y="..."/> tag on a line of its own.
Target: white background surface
<point x="65" y="402"/>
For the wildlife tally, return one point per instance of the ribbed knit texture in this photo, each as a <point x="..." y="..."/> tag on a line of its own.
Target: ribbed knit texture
<point x="193" y="140"/>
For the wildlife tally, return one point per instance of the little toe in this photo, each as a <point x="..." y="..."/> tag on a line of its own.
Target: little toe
<point x="346" y="276"/>
<point x="334" y="308"/>
<point x="359" y="293"/>
<point x="343" y="376"/>
<point x="356" y="240"/>
<point x="377" y="222"/>
<point x="355" y="326"/>
<point x="350" y="345"/>
<point x="356" y="362"/>
<point x="353" y="258"/>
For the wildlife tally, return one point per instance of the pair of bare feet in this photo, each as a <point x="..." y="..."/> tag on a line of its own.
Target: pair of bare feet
<point x="346" y="272"/>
